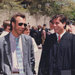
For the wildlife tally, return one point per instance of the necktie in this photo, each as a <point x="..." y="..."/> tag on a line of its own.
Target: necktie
<point x="59" y="38"/>
<point x="19" y="57"/>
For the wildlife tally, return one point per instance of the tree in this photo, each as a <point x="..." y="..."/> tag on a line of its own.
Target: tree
<point x="68" y="8"/>
<point x="10" y="5"/>
<point x="44" y="7"/>
<point x="6" y="4"/>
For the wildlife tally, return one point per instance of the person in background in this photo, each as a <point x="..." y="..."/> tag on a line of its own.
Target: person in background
<point x="51" y="27"/>
<point x="39" y="40"/>
<point x="15" y="49"/>
<point x="43" y="34"/>
<point x="6" y="27"/>
<point x="34" y="33"/>
<point x="27" y="32"/>
<point x="58" y="54"/>
<point x="71" y="28"/>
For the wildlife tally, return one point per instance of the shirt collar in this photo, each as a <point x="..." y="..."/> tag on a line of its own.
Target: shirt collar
<point x="61" y="34"/>
<point x="13" y="37"/>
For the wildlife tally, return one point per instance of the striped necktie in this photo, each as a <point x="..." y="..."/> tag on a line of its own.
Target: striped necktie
<point x="19" y="57"/>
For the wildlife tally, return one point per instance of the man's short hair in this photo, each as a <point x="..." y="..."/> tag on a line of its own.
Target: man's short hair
<point x="61" y="17"/>
<point x="6" y="23"/>
<point x="13" y="19"/>
<point x="44" y="24"/>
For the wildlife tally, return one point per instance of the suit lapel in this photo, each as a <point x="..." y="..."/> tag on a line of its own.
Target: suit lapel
<point x="24" y="45"/>
<point x="7" y="48"/>
<point x="24" y="48"/>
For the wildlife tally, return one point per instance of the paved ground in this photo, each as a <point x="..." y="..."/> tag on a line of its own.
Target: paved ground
<point x="37" y="59"/>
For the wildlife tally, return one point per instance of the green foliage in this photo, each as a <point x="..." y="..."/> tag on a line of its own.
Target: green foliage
<point x="44" y="7"/>
<point x="68" y="9"/>
<point x="10" y="4"/>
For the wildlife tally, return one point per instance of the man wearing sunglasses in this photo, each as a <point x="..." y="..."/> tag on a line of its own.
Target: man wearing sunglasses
<point x="17" y="57"/>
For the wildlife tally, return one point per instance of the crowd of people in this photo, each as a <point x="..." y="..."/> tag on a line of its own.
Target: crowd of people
<point x="19" y="42"/>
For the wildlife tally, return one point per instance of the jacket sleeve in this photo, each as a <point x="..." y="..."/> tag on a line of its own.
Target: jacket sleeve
<point x="1" y="57"/>
<point x="0" y="62"/>
<point x="31" y="56"/>
<point x="73" y="55"/>
<point x="32" y="59"/>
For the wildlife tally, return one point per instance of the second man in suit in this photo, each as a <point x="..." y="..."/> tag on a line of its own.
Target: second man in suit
<point x="58" y="54"/>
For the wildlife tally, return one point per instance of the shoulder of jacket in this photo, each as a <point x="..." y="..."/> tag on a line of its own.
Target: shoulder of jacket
<point x="26" y="37"/>
<point x="1" y="40"/>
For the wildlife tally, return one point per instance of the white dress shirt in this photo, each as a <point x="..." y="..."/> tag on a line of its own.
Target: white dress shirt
<point x="60" y="35"/>
<point x="13" y="50"/>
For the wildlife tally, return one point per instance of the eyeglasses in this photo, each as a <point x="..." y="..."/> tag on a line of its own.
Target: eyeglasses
<point x="20" y="24"/>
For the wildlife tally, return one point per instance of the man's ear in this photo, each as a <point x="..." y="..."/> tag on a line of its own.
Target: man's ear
<point x="64" y="23"/>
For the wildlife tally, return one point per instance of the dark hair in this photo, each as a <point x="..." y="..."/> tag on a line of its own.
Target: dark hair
<point x="13" y="19"/>
<point x="61" y="17"/>
<point x="6" y="23"/>
<point x="51" y="21"/>
<point x="44" y="24"/>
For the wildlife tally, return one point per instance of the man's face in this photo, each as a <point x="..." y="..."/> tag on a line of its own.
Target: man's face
<point x="8" y="28"/>
<point x="58" y="26"/>
<point x="18" y="27"/>
<point x="27" y="31"/>
<point x="51" y="26"/>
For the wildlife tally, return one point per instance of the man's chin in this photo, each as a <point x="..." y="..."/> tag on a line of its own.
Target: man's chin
<point x="20" y="33"/>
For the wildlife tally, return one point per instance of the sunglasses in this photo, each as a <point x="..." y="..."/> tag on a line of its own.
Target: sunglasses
<point x="20" y="24"/>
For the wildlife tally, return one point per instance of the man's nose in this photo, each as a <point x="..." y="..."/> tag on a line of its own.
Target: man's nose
<point x="54" y="24"/>
<point x="23" y="26"/>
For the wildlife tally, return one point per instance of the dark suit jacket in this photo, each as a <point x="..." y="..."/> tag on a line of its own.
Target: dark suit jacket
<point x="5" y="57"/>
<point x="58" y="58"/>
